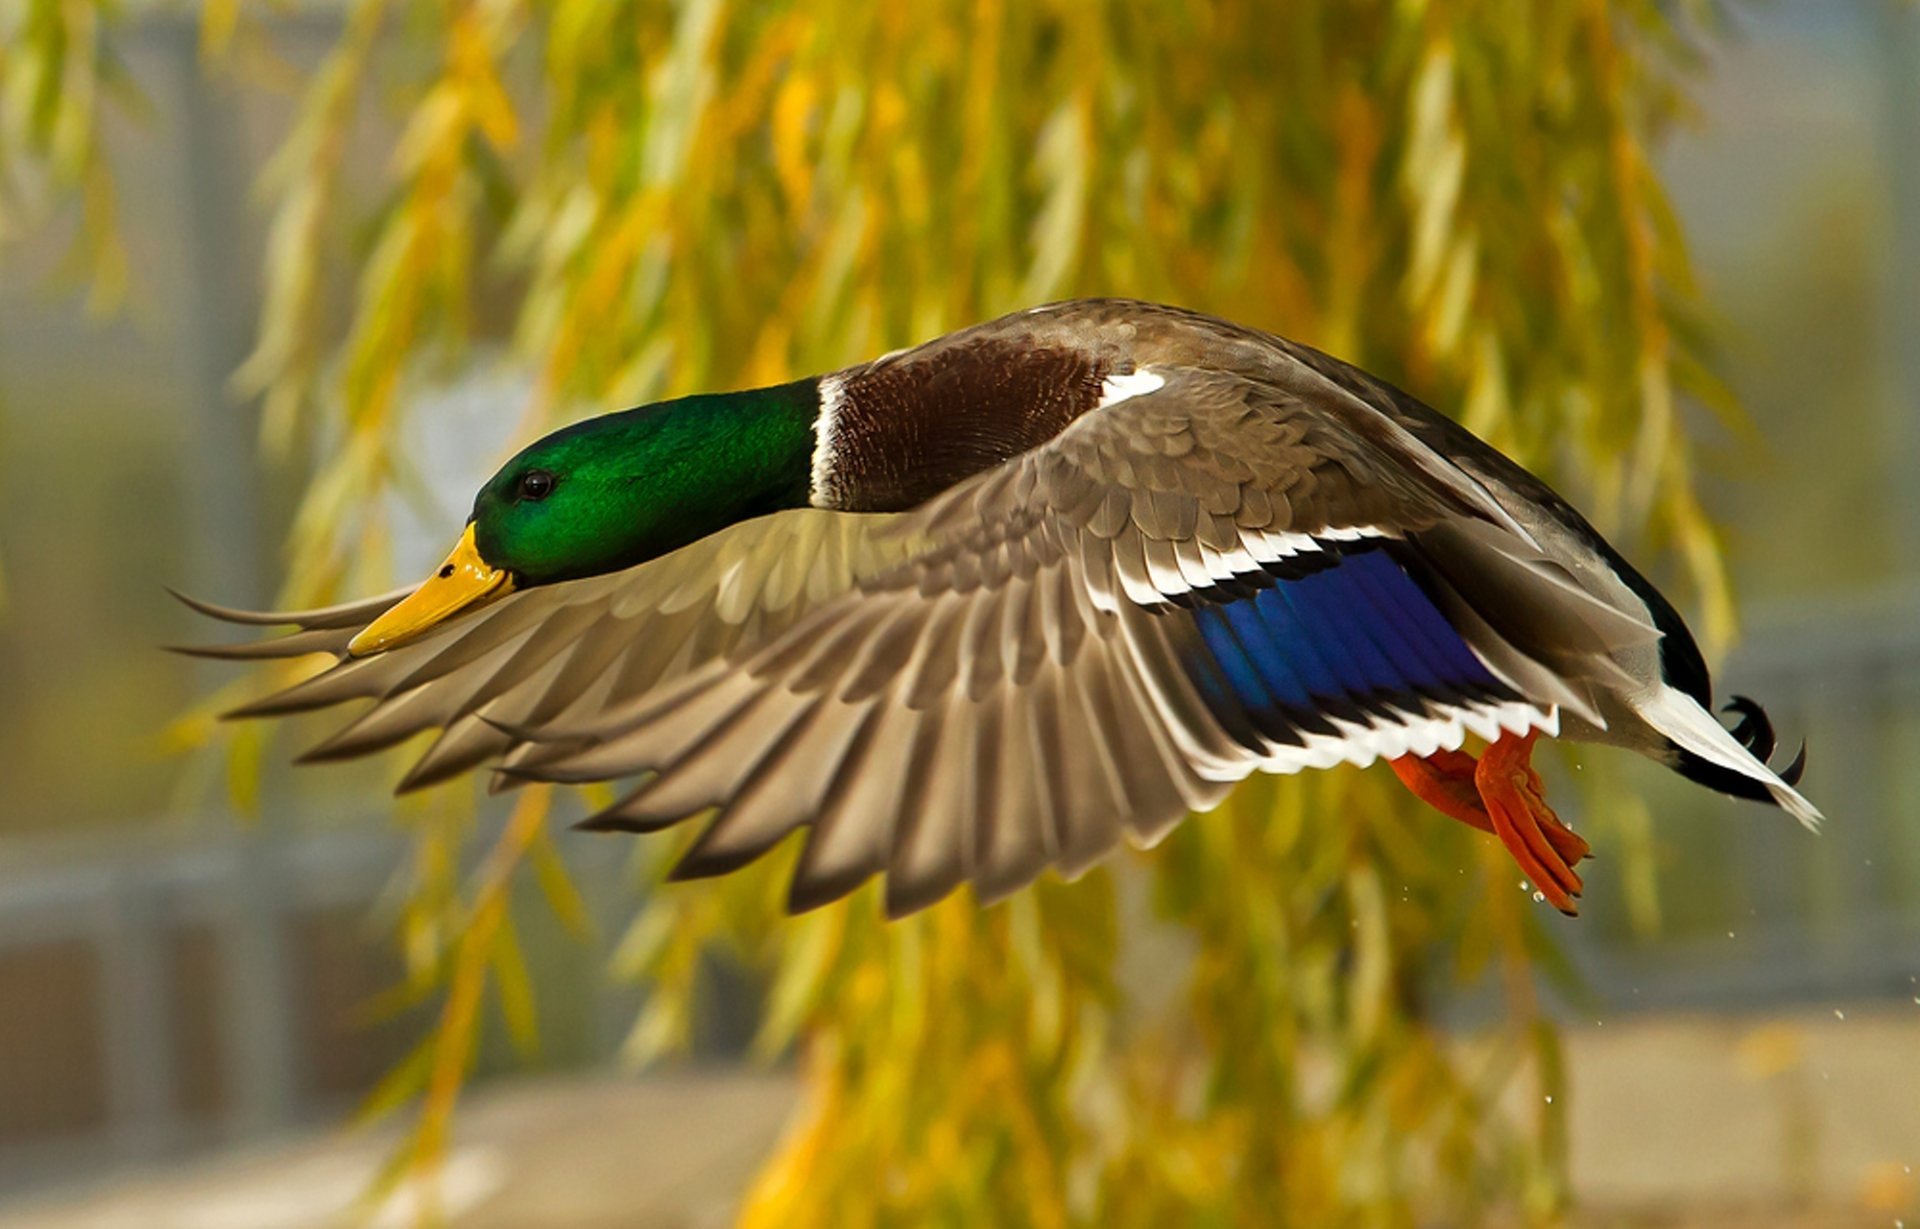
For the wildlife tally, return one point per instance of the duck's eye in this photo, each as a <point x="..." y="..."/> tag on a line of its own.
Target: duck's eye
<point x="536" y="485"/>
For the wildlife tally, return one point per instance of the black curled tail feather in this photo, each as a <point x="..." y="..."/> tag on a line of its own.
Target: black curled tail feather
<point x="1754" y="731"/>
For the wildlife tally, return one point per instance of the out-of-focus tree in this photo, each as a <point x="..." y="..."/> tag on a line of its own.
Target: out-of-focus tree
<point x="659" y="198"/>
<point x="55" y="79"/>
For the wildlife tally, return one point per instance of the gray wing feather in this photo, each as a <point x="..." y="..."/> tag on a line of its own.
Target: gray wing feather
<point x="543" y="657"/>
<point x="975" y="690"/>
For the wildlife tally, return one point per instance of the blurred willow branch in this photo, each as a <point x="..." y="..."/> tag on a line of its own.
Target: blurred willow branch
<point x="56" y="76"/>
<point x="645" y="198"/>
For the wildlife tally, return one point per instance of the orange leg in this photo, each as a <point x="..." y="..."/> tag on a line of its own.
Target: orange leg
<point x="1502" y="794"/>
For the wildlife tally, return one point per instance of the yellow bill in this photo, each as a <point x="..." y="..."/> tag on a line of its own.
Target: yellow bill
<point x="464" y="582"/>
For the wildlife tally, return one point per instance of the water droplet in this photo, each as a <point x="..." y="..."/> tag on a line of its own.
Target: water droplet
<point x="1524" y="885"/>
<point x="1539" y="896"/>
<point x="1549" y="1098"/>
<point x="1729" y="934"/>
<point x="1838" y="1014"/>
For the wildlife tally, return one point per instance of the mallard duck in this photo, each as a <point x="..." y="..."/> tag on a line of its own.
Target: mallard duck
<point x="987" y="605"/>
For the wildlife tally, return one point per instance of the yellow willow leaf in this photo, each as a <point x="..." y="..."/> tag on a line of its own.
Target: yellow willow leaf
<point x="645" y="377"/>
<point x="781" y="1189"/>
<point x="290" y="272"/>
<point x="246" y="753"/>
<point x="1707" y="560"/>
<point x="1488" y="407"/>
<point x="471" y="61"/>
<point x="1433" y="164"/>
<point x="795" y="111"/>
<point x="597" y="797"/>
<point x="843" y="247"/>
<point x="1045" y="1004"/>
<point x="1061" y="160"/>
<point x="402" y="1083"/>
<point x="401" y="1166"/>
<point x="661" y="1030"/>
<point x="770" y="364"/>
<point x="1453" y="298"/>
<point x="103" y="257"/>
<point x="645" y="941"/>
<point x="515" y="989"/>
<point x="564" y="233"/>
<point x="557" y="885"/>
<point x="197" y="725"/>
<point x="394" y="1001"/>
<point x="1655" y="435"/>
<point x="681" y="85"/>
<point x="913" y="200"/>
<point x="70" y="140"/>
<point x="218" y="21"/>
<point x="437" y="125"/>
<point x="806" y="958"/>
<point x="1547" y="1195"/>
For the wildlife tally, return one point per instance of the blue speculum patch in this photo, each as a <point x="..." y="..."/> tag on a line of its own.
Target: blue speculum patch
<point x="1356" y="639"/>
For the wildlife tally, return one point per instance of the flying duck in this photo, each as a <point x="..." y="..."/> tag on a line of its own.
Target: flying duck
<point x="987" y="605"/>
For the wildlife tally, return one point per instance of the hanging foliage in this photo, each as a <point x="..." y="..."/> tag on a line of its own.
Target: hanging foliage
<point x="57" y="78"/>
<point x="647" y="199"/>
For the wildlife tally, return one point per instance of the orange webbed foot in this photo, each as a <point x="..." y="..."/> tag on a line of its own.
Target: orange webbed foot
<point x="1444" y="781"/>
<point x="1502" y="794"/>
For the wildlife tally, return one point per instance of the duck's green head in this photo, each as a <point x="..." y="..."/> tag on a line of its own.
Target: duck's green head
<point x="612" y="492"/>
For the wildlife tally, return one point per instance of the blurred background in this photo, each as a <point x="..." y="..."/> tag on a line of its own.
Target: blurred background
<point x="194" y="996"/>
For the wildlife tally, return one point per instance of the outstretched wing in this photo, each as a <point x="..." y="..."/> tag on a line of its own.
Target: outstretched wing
<point x="559" y="652"/>
<point x="1091" y="640"/>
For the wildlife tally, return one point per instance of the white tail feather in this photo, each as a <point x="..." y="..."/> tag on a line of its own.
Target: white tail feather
<point x="1677" y="715"/>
